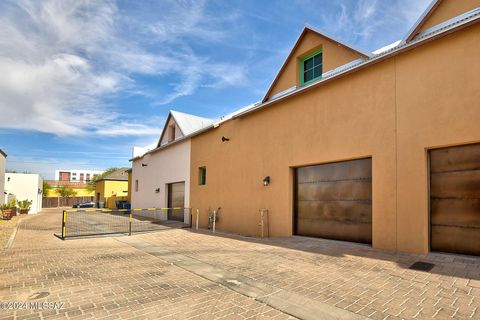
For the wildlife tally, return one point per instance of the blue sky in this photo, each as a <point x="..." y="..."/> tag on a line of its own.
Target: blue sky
<point x="84" y="81"/>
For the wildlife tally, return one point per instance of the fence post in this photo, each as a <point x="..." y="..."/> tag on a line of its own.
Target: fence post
<point x="64" y="221"/>
<point x="130" y="225"/>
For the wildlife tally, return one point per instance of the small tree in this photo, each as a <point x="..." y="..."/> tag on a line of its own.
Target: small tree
<point x="65" y="192"/>
<point x="46" y="189"/>
<point x="92" y="183"/>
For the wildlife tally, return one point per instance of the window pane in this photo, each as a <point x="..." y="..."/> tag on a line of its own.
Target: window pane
<point x="317" y="71"/>
<point x="308" y="75"/>
<point x="203" y="175"/>
<point x="308" y="64"/>
<point x="318" y="59"/>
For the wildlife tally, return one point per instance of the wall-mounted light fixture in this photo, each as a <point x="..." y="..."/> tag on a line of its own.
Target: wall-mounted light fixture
<point x="144" y="165"/>
<point x="266" y="181"/>
<point x="225" y="139"/>
<point x="157" y="190"/>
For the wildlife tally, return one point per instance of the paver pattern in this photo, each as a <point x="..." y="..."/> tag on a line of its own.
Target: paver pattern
<point x="108" y="278"/>
<point x="105" y="278"/>
<point x="355" y="277"/>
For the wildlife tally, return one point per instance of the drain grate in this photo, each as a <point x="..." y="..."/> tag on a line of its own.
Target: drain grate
<point x="422" y="266"/>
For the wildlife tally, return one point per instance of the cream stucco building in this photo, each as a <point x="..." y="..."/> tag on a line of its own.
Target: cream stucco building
<point x="25" y="186"/>
<point x="161" y="176"/>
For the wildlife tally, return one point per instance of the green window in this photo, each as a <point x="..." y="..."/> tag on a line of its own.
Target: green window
<point x="311" y="67"/>
<point x="202" y="176"/>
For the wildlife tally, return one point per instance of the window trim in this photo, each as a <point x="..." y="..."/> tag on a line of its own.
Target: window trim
<point x="302" y="60"/>
<point x="200" y="171"/>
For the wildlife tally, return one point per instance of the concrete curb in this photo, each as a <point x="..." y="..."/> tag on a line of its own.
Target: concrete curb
<point x="10" y="241"/>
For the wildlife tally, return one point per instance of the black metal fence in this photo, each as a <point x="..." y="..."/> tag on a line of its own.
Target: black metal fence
<point x="95" y="222"/>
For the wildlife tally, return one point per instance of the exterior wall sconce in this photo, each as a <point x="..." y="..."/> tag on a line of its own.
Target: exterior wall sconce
<point x="225" y="139"/>
<point x="266" y="181"/>
<point x="157" y="190"/>
<point x="144" y="165"/>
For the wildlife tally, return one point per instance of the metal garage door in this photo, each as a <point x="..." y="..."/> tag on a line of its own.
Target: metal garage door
<point x="334" y="201"/>
<point x="176" y="199"/>
<point x="455" y="199"/>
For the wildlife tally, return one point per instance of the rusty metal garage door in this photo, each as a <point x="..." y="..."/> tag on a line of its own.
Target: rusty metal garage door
<point x="176" y="199"/>
<point x="334" y="201"/>
<point x="455" y="199"/>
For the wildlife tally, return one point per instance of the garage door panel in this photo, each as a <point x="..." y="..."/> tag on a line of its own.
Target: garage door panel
<point x="346" y="211"/>
<point x="334" y="201"/>
<point x="345" y="170"/>
<point x="336" y="230"/>
<point x="455" y="158"/>
<point x="456" y="240"/>
<point x="465" y="184"/>
<point x="455" y="199"/>
<point x="457" y="212"/>
<point x="176" y="199"/>
<point x="340" y="190"/>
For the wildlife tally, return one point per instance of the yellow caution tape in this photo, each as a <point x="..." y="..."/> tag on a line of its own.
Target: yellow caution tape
<point x="91" y="210"/>
<point x="152" y="209"/>
<point x="137" y="209"/>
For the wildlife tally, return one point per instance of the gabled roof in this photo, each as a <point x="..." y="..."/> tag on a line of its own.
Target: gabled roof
<point x="3" y="153"/>
<point x="464" y="20"/>
<point x="187" y="123"/>
<point x="297" y="42"/>
<point x="419" y="23"/>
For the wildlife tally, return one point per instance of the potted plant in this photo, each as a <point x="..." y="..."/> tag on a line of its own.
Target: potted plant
<point x="9" y="209"/>
<point x="24" y="206"/>
<point x="6" y="211"/>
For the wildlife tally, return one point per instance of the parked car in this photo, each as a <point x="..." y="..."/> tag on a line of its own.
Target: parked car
<point x="89" y="204"/>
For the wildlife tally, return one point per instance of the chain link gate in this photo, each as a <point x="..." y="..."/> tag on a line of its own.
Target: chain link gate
<point x="96" y="222"/>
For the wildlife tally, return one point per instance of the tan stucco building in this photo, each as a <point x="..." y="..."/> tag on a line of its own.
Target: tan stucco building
<point x="391" y="112"/>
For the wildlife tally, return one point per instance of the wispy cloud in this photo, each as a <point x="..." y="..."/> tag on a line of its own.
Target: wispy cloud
<point x="60" y="60"/>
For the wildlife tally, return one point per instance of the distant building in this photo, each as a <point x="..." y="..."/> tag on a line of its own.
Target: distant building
<point x="3" y="157"/>
<point x="24" y="186"/>
<point x="112" y="188"/>
<point x="76" y="175"/>
<point x="81" y="189"/>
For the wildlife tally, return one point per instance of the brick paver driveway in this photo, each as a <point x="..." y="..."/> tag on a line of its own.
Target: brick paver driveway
<point x="181" y="274"/>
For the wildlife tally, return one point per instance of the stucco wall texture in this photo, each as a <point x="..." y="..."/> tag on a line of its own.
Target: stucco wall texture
<point x="392" y="111"/>
<point x="169" y="165"/>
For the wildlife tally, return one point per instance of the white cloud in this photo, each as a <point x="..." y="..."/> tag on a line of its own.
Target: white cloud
<point x="59" y="60"/>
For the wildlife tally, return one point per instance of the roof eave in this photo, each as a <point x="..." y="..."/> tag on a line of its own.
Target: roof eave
<point x="304" y="30"/>
<point x="182" y="139"/>
<point x="400" y="49"/>
<point x="420" y="21"/>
